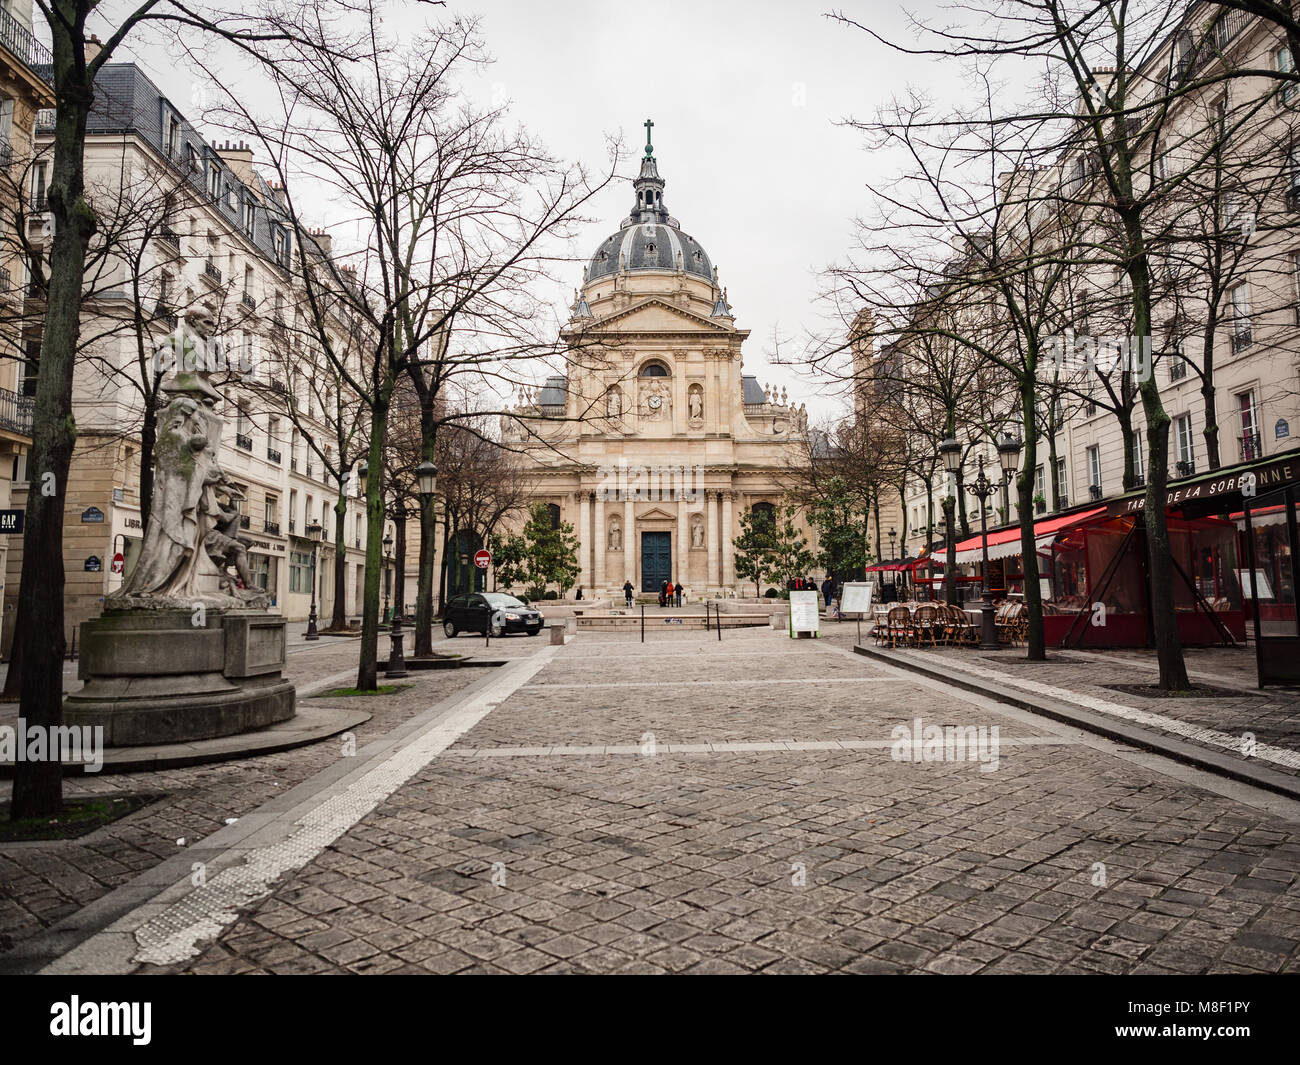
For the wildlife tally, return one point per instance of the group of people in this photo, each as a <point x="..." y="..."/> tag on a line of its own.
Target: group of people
<point x="670" y="594"/>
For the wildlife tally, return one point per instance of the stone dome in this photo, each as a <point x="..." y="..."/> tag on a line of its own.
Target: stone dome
<point x="649" y="238"/>
<point x="649" y="246"/>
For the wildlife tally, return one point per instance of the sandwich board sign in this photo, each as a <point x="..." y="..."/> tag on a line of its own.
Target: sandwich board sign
<point x="856" y="597"/>
<point x="804" y="616"/>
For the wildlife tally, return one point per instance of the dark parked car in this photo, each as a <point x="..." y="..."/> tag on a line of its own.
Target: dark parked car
<point x="475" y="611"/>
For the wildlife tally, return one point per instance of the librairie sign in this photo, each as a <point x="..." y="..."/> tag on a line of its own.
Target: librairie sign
<point x="1255" y="482"/>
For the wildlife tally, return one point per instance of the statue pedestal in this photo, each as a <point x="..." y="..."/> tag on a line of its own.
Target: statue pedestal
<point x="153" y="676"/>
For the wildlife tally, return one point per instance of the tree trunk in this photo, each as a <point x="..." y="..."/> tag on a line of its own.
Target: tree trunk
<point x="1125" y="418"/>
<point x="949" y="546"/>
<point x="428" y="543"/>
<point x="39" y="636"/>
<point x="368" y="667"/>
<point x="1208" y="398"/>
<point x="1033" y="599"/>
<point x="148" y="437"/>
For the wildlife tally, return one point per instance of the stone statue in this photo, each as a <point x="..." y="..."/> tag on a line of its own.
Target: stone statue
<point x="226" y="547"/>
<point x="615" y="536"/>
<point x="697" y="532"/>
<point x="613" y="403"/>
<point x="176" y="567"/>
<point x="697" y="404"/>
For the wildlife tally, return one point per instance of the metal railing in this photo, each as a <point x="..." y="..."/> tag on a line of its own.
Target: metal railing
<point x="169" y="236"/>
<point x="6" y="279"/>
<point x="211" y="272"/>
<point x="245" y="522"/>
<point x="272" y="454"/>
<point x="246" y="442"/>
<point x="1251" y="446"/>
<point x="1241" y="337"/>
<point x="19" y="40"/>
<point x="1184" y="468"/>
<point x="16" y="411"/>
<point x="248" y="301"/>
<point x="1094" y="490"/>
<point x="166" y="315"/>
<point x="273" y="527"/>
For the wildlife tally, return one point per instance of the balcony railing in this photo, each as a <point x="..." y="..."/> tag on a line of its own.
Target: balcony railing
<point x="212" y="273"/>
<point x="272" y="454"/>
<point x="169" y="236"/>
<point x="1094" y="490"/>
<point x="40" y="202"/>
<point x="1241" y="337"/>
<point x="1251" y="446"/>
<point x="1184" y="468"/>
<point x="1062" y="501"/>
<point x="19" y="40"/>
<point x="16" y="411"/>
<point x="6" y="280"/>
<point x="166" y="315"/>
<point x="273" y="527"/>
<point x="245" y="522"/>
<point x="247" y="301"/>
<point x="246" y="442"/>
<point x="293" y="464"/>
<point x="293" y="526"/>
<point x="6" y="153"/>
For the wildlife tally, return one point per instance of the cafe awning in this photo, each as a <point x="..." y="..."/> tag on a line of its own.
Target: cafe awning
<point x="1006" y="542"/>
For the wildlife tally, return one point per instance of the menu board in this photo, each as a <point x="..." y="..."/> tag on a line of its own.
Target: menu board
<point x="856" y="597"/>
<point x="804" y="615"/>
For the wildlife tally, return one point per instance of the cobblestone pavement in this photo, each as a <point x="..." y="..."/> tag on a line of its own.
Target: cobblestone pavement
<point x="1270" y="716"/>
<point x="685" y="806"/>
<point x="41" y="883"/>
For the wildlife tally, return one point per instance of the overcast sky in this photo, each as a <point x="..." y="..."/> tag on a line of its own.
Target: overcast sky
<point x="746" y="98"/>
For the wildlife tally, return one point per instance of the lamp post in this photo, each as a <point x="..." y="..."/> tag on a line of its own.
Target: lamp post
<point x="982" y="489"/>
<point x="396" y="659"/>
<point x="426" y="478"/>
<point x="313" y="533"/>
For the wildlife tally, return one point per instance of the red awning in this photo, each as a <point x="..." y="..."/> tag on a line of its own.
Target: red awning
<point x="972" y="548"/>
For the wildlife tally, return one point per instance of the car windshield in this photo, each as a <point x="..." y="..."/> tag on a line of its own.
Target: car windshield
<point x="500" y="599"/>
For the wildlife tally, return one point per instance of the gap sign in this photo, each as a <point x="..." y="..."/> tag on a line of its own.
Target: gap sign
<point x="11" y="521"/>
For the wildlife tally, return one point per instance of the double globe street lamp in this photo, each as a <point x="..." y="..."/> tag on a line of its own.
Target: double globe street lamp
<point x="982" y="488"/>
<point x="314" y="530"/>
<point x="426" y="477"/>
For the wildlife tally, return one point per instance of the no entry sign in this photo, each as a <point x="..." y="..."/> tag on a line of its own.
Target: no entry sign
<point x="483" y="559"/>
<point x="118" y="560"/>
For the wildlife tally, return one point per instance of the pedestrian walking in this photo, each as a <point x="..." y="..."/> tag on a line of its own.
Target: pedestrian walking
<point x="627" y="592"/>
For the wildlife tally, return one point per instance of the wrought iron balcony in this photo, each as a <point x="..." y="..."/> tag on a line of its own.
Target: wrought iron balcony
<point x="6" y="153"/>
<point x="272" y="454"/>
<point x="211" y="273"/>
<point x="169" y="236"/>
<point x="1184" y="468"/>
<point x="273" y="527"/>
<point x="40" y="202"/>
<point x="16" y="411"/>
<point x="1241" y="337"/>
<point x="1094" y="490"/>
<point x="293" y="525"/>
<point x="6" y="282"/>
<point x="166" y="315"/>
<point x="246" y="442"/>
<point x="18" y="39"/>
<point x="245" y="522"/>
<point x="293" y="464"/>
<point x="1251" y="446"/>
<point x="248" y="301"/>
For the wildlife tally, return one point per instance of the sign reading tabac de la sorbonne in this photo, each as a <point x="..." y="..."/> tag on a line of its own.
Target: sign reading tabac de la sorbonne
<point x="1251" y="483"/>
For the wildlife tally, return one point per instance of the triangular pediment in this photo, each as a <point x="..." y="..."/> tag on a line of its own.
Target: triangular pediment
<point x="656" y="513"/>
<point x="655" y="315"/>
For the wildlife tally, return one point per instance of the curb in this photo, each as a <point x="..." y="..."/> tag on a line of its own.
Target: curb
<point x="1179" y="750"/>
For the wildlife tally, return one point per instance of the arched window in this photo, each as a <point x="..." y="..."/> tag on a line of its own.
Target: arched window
<point x="764" y="515"/>
<point x="654" y="369"/>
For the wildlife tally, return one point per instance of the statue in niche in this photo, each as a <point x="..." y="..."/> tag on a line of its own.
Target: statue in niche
<point x="615" y="535"/>
<point x="696" y="403"/>
<point x="697" y="532"/>
<point x="613" y="403"/>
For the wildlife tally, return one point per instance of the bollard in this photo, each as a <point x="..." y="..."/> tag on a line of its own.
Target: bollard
<point x="643" y="622"/>
<point x="557" y="632"/>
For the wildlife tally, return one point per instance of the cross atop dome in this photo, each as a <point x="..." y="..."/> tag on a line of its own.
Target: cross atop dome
<point x="649" y="148"/>
<point x="649" y="187"/>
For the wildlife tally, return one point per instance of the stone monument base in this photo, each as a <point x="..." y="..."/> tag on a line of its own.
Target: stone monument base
<point x="169" y="676"/>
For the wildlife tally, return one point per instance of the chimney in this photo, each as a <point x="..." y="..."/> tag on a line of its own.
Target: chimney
<point x="323" y="240"/>
<point x="239" y="157"/>
<point x="93" y="47"/>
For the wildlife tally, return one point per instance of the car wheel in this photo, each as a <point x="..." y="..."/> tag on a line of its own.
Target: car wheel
<point x="498" y="631"/>
<point x="449" y="627"/>
<point x="533" y="632"/>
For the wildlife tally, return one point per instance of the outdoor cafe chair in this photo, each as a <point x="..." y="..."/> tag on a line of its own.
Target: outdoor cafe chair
<point x="925" y="623"/>
<point x="900" y="626"/>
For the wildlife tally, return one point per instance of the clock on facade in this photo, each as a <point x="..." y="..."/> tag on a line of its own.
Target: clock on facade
<point x="654" y="402"/>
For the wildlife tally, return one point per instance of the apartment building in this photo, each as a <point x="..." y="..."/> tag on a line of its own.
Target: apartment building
<point x="1255" y="228"/>
<point x="24" y="90"/>
<point x="203" y="243"/>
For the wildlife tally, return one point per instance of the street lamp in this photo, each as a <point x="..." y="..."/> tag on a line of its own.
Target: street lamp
<point x="427" y="475"/>
<point x="950" y="451"/>
<point x="313" y="533"/>
<point x="396" y="659"/>
<point x="981" y="489"/>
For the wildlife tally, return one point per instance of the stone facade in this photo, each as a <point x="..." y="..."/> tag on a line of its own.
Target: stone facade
<point x="657" y="441"/>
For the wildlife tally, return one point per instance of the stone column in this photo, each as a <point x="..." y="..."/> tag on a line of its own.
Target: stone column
<point x="630" y="544"/>
<point x="728" y="551"/>
<point x="584" y="540"/>
<point x="711" y="535"/>
<point x="601" y="543"/>
<point x="682" y="556"/>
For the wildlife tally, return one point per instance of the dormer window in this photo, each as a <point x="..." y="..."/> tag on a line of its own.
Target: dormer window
<point x="699" y="257"/>
<point x="650" y="248"/>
